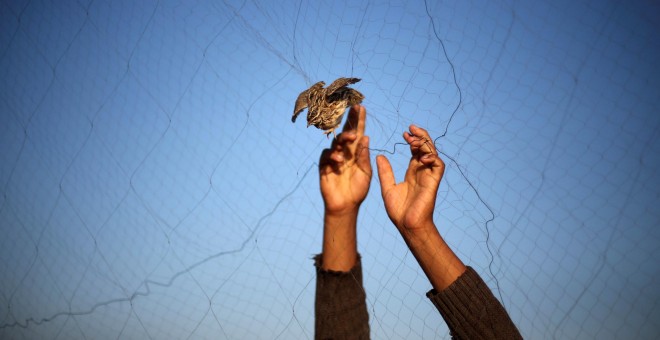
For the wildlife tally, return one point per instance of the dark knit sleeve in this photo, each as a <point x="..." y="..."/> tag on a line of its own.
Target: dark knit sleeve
<point x="472" y="311"/>
<point x="341" y="307"/>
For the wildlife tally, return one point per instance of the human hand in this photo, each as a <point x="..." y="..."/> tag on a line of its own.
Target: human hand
<point x="410" y="204"/>
<point x="345" y="175"/>
<point x="345" y="169"/>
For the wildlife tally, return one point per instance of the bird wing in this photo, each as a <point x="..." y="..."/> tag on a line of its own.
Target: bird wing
<point x="339" y="83"/>
<point x="303" y="97"/>
<point x="353" y="97"/>
<point x="301" y="104"/>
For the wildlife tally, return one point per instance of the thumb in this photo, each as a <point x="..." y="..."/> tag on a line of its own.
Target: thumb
<point x="385" y="174"/>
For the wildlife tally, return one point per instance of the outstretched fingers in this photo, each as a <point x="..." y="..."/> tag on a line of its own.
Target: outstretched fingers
<point x="357" y="117"/>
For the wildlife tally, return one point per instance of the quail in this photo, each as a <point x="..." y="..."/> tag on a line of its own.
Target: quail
<point x="326" y="106"/>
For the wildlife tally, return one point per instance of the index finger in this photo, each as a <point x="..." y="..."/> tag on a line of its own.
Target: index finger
<point x="357" y="117"/>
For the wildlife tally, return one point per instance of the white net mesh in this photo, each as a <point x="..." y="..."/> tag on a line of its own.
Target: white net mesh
<point x="153" y="185"/>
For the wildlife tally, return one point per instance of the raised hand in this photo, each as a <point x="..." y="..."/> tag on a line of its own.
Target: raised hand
<point x="410" y="203"/>
<point x="345" y="176"/>
<point x="410" y="206"/>
<point x="345" y="169"/>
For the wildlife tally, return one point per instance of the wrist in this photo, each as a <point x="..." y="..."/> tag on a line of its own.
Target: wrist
<point x="339" y="240"/>
<point x="419" y="232"/>
<point x="435" y="257"/>
<point x="422" y="238"/>
<point x="345" y="221"/>
<point x="341" y="213"/>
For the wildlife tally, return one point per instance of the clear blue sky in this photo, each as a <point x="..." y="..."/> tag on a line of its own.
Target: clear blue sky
<point x="153" y="186"/>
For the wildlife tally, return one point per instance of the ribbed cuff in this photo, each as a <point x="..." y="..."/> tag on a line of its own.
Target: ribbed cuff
<point x="472" y="311"/>
<point x="341" y="309"/>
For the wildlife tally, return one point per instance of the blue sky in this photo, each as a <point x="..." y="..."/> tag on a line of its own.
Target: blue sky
<point x="153" y="185"/>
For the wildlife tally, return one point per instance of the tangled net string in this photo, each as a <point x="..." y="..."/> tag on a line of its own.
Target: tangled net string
<point x="152" y="185"/>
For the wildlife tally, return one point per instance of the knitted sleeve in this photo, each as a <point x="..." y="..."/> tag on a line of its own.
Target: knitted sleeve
<point x="472" y="311"/>
<point x="341" y="308"/>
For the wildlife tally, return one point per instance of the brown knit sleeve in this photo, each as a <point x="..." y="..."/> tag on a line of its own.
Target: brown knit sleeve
<point x="472" y="311"/>
<point x="341" y="308"/>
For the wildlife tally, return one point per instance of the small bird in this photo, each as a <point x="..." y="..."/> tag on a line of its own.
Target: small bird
<point x="326" y="106"/>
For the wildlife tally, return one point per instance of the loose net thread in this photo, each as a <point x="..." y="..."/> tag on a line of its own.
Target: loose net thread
<point x="154" y="187"/>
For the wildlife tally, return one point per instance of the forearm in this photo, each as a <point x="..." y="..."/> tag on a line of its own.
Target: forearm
<point x="339" y="241"/>
<point x="438" y="261"/>
<point x="464" y="300"/>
